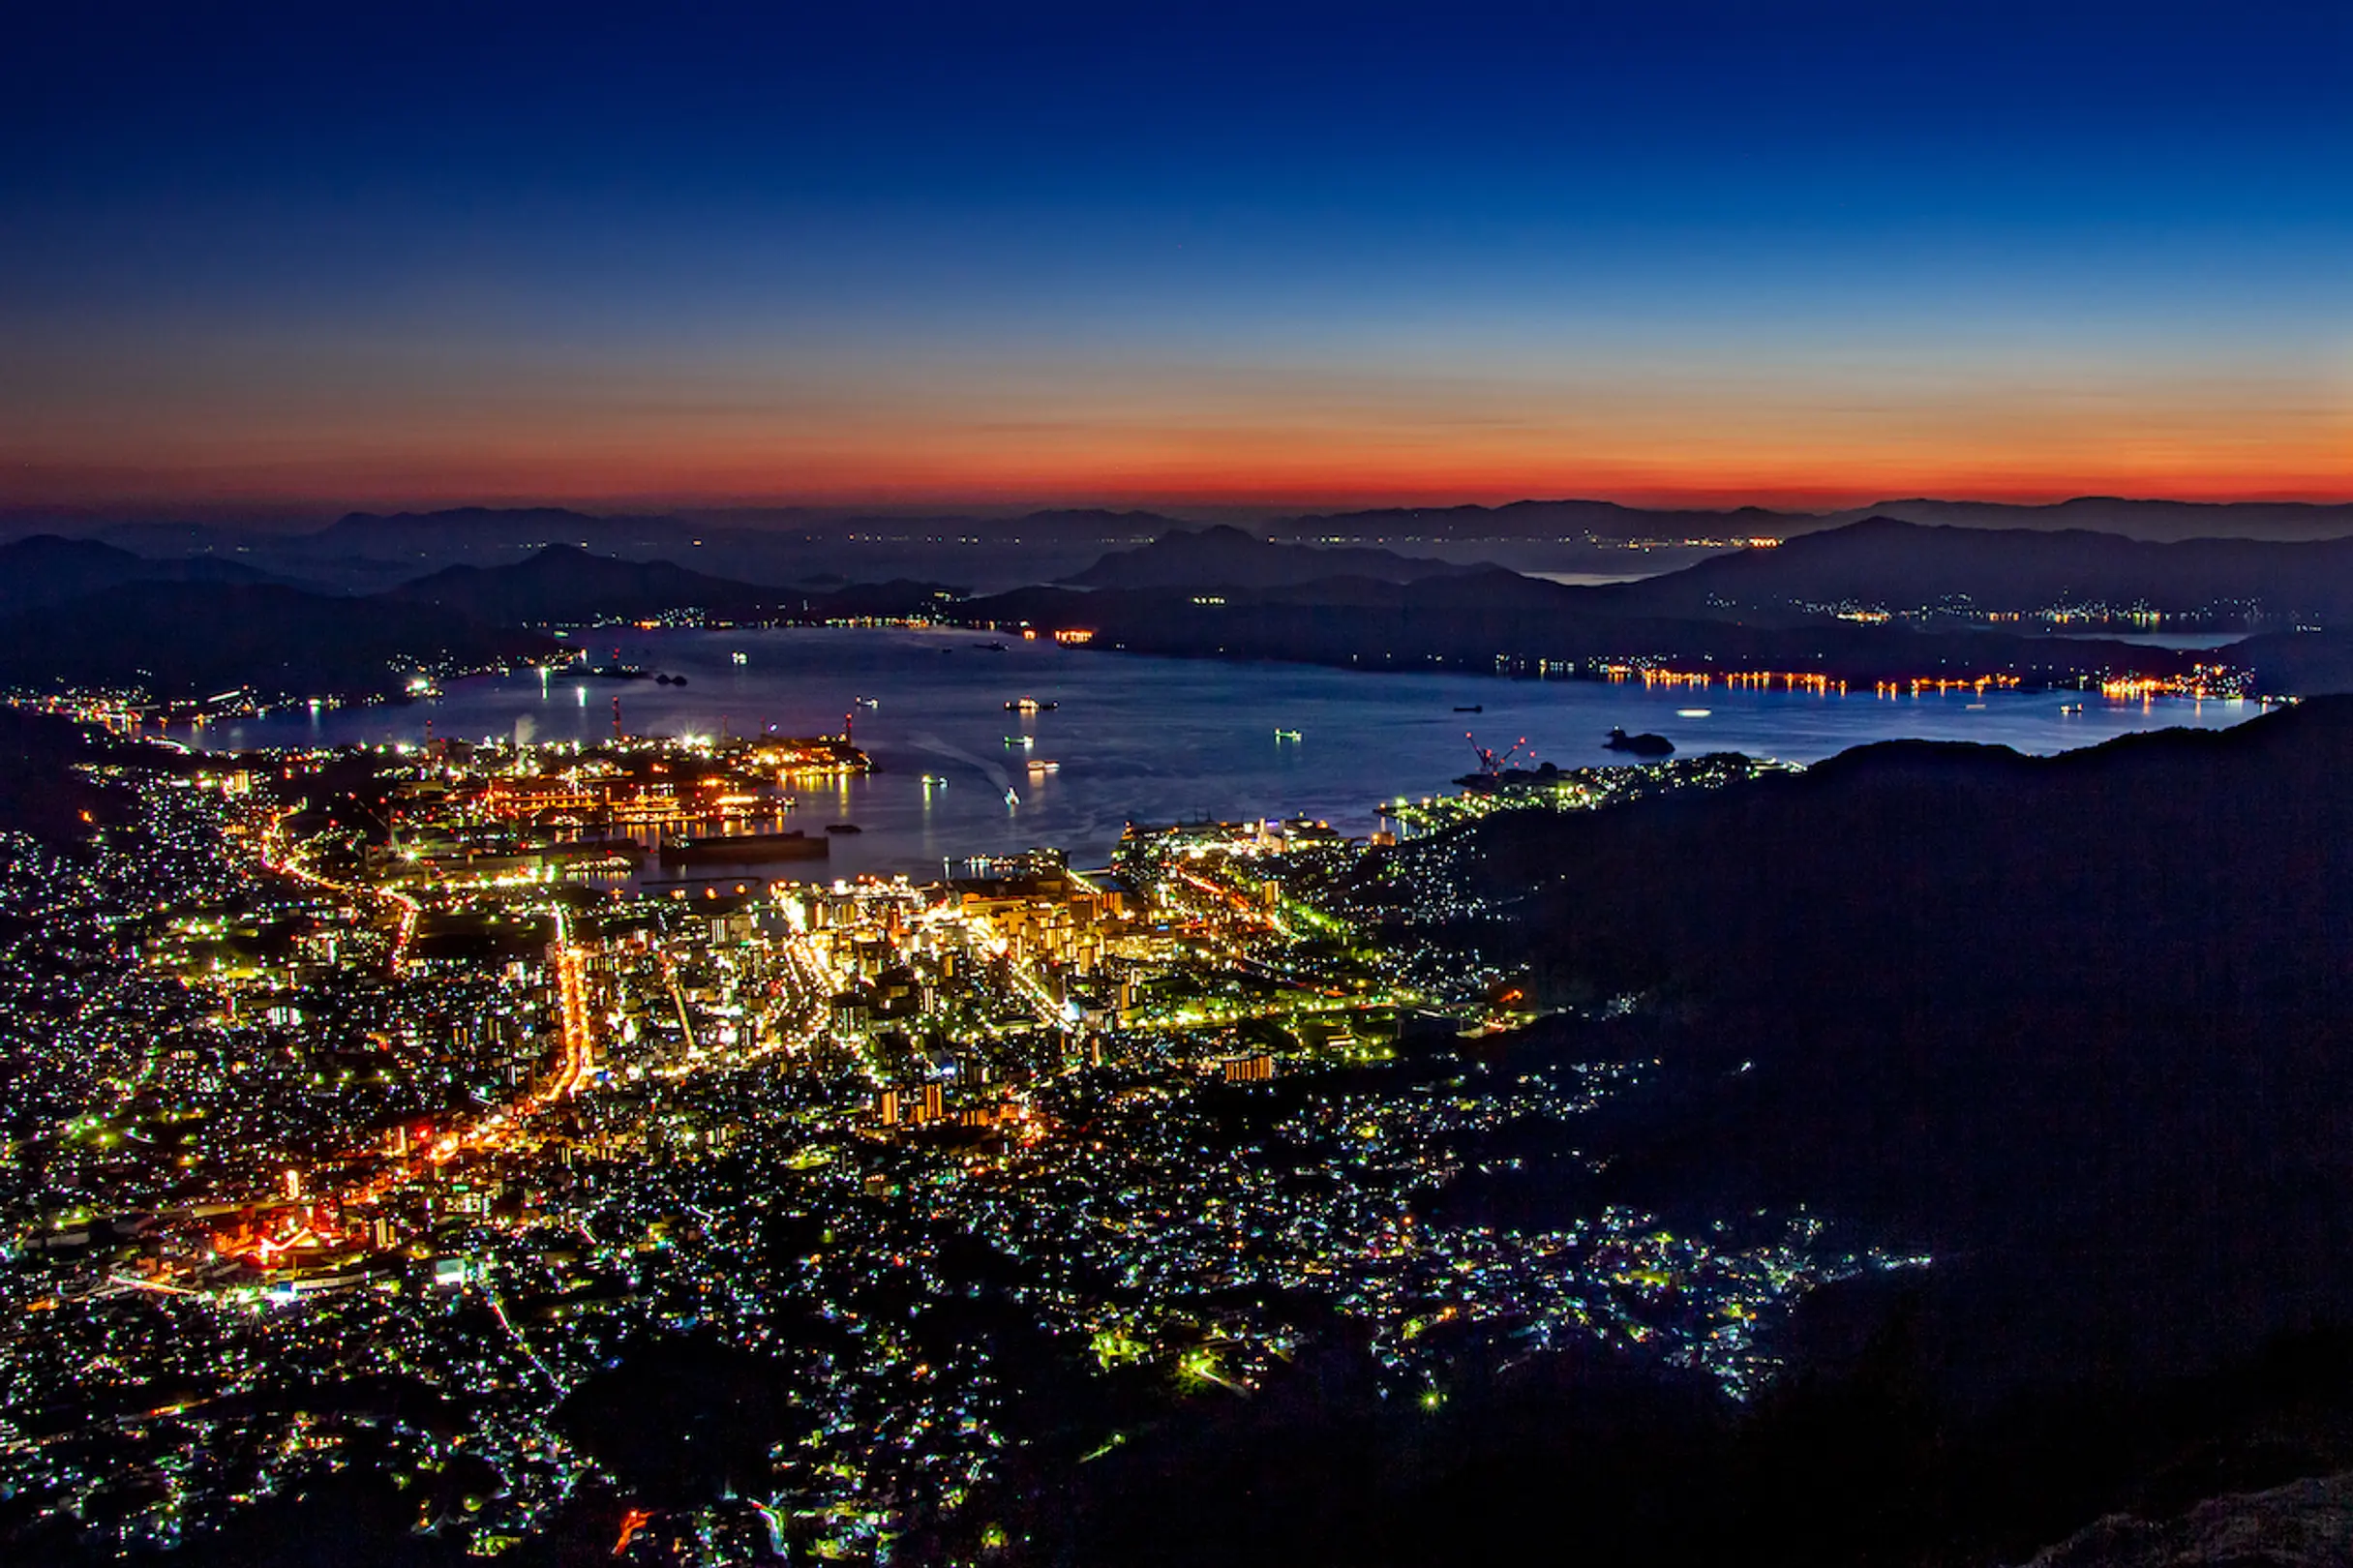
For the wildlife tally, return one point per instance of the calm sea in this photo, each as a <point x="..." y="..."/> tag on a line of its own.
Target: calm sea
<point x="1153" y="740"/>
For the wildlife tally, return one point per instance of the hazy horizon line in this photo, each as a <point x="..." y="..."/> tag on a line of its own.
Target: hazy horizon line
<point x="218" y="510"/>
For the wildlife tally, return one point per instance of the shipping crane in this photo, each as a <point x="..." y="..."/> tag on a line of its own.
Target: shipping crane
<point x="1489" y="763"/>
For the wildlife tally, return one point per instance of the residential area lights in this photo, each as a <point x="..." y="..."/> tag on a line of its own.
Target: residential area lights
<point x="308" y="1105"/>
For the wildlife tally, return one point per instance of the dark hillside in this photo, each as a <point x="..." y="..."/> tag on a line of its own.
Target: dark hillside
<point x="194" y="640"/>
<point x="45" y="790"/>
<point x="46" y="569"/>
<point x="2075" y="1024"/>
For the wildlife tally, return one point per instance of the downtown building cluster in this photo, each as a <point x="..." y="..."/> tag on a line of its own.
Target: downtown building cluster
<point x="360" y="1131"/>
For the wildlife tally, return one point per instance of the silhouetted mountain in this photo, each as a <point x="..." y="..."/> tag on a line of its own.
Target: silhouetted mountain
<point x="2150" y="520"/>
<point x="368" y="553"/>
<point x="2153" y="520"/>
<point x="1884" y="563"/>
<point x="2308" y="663"/>
<point x="1226" y="557"/>
<point x="212" y="630"/>
<point x="191" y="640"/>
<point x="169" y="541"/>
<point x="1554" y="1459"/>
<point x="45" y="790"/>
<point x="1786" y="609"/>
<point x="46" y="569"/>
<point x="565" y="584"/>
<point x="1543" y="520"/>
<point x="2071" y="1024"/>
<point x="478" y="532"/>
<point x="1496" y="621"/>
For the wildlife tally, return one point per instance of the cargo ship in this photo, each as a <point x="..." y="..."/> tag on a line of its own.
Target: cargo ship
<point x="744" y="848"/>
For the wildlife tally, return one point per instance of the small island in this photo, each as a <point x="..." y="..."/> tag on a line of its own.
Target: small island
<point x="1640" y="745"/>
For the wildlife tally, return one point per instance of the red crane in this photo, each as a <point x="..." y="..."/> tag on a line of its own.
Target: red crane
<point x="1491" y="764"/>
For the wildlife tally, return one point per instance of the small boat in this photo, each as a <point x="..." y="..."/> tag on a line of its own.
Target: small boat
<point x="993" y="647"/>
<point x="741" y="659"/>
<point x="843" y="828"/>
<point x="2070" y="708"/>
<point x="1287" y="735"/>
<point x="1039" y="765"/>
<point x="935" y="781"/>
<point x="1011" y="798"/>
<point x="1692" y="713"/>
<point x="870" y="702"/>
<point x="1024" y="741"/>
<point x="1030" y="704"/>
<point x="1475" y="708"/>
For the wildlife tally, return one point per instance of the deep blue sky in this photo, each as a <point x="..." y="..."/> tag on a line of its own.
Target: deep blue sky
<point x="1085" y="252"/>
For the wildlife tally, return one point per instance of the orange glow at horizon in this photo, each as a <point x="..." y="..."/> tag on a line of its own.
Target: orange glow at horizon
<point x="1144" y="474"/>
<point x="1279" y="441"/>
<point x="1832" y="482"/>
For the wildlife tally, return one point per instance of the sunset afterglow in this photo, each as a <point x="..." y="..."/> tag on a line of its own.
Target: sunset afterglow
<point x="826" y="262"/>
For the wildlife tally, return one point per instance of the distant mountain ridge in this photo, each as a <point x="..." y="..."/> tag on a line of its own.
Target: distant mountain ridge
<point x="470" y="530"/>
<point x="2158" y="520"/>
<point x="199" y="628"/>
<point x="46" y="570"/>
<point x="1542" y="519"/>
<point x="1888" y="562"/>
<point x="1228" y="557"/>
<point x="1359" y="606"/>
<point x="365" y="552"/>
<point x="369" y="551"/>
<point x="564" y="583"/>
<point x="1498" y="622"/>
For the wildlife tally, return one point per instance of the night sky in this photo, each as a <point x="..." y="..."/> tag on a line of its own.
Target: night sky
<point x="1125" y="253"/>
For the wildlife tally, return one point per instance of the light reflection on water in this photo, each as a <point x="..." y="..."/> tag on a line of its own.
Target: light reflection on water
<point x="1153" y="740"/>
